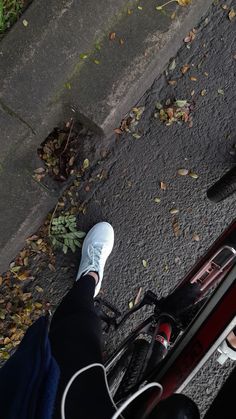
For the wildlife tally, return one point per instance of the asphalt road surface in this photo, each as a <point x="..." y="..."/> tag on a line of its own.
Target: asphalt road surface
<point x="135" y="168"/>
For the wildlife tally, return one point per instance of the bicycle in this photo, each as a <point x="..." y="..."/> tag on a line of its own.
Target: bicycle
<point x="180" y="335"/>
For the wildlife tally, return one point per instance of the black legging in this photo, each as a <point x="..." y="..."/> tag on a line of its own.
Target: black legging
<point x="75" y="336"/>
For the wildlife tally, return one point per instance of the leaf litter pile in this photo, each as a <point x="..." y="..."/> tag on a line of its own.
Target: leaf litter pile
<point x="178" y="111"/>
<point x="59" y="153"/>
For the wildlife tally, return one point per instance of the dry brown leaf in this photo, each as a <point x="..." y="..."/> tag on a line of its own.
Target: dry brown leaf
<point x="138" y="296"/>
<point x="203" y="92"/>
<point x="118" y="131"/>
<point x="172" y="82"/>
<point x="112" y="36"/>
<point x="224" y="7"/>
<point x="196" y="237"/>
<point x="121" y="41"/>
<point x="1" y="280"/>
<point x="163" y="186"/>
<point x="183" y="2"/>
<point x="185" y="68"/>
<point x="231" y="14"/>
<point x="176" y="227"/>
<point x="23" y="276"/>
<point x="193" y="78"/>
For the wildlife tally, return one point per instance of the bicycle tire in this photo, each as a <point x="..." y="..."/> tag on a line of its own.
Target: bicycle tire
<point x="135" y="369"/>
<point x="224" y="187"/>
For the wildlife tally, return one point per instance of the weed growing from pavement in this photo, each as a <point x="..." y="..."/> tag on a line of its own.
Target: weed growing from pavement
<point x="10" y="11"/>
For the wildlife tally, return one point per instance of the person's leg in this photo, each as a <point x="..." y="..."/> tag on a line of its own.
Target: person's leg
<point x="75" y="333"/>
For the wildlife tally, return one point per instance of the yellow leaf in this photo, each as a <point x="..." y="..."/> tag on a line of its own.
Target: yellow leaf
<point x="144" y="262"/>
<point x="23" y="276"/>
<point x="183" y="2"/>
<point x="86" y="164"/>
<point x="231" y="15"/>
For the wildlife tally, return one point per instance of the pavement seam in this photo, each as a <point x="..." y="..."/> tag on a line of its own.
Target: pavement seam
<point x="6" y="109"/>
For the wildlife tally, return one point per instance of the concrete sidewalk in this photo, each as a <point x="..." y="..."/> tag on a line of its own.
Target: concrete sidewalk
<point x="64" y="64"/>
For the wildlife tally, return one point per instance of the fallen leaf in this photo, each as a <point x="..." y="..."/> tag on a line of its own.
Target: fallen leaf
<point x="157" y="200"/>
<point x="193" y="175"/>
<point x="176" y="227"/>
<point x="172" y="82"/>
<point x="39" y="170"/>
<point x="1" y="280"/>
<point x="144" y="262"/>
<point x="231" y="14"/>
<point x="203" y="92"/>
<point x="38" y="305"/>
<point x="38" y="288"/>
<point x="51" y="267"/>
<point x="185" y="68"/>
<point x="112" y="36"/>
<point x="83" y="56"/>
<point x="220" y="92"/>
<point x="25" y="22"/>
<point x="206" y="74"/>
<point x="191" y="36"/>
<point x="174" y="211"/>
<point x="183" y="2"/>
<point x="172" y="65"/>
<point x="32" y="238"/>
<point x="136" y="135"/>
<point x="181" y="103"/>
<point x="26" y="261"/>
<point x="96" y="61"/>
<point x="163" y="186"/>
<point x="224" y="7"/>
<point x="118" y="131"/>
<point x="129" y="12"/>
<point x="131" y="304"/>
<point x="138" y="296"/>
<point x="71" y="161"/>
<point x="68" y="86"/>
<point x="183" y="172"/>
<point x="192" y="92"/>
<point x="158" y="106"/>
<point x="196" y="237"/>
<point x="140" y="7"/>
<point x="85" y="164"/>
<point x="121" y="41"/>
<point x="193" y="78"/>
<point x="23" y="276"/>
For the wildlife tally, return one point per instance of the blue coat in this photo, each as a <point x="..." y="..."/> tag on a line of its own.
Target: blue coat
<point x="29" y="379"/>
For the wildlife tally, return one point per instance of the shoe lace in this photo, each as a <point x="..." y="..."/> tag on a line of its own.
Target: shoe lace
<point x="98" y="251"/>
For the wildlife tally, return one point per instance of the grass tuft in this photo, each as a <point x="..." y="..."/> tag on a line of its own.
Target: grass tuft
<point x="10" y="11"/>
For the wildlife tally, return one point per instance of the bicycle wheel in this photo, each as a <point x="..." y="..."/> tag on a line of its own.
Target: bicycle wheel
<point x="135" y="369"/>
<point x="224" y="187"/>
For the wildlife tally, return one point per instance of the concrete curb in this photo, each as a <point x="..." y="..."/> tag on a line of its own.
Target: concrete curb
<point x="64" y="65"/>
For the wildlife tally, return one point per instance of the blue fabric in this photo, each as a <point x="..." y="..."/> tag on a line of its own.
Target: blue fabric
<point x="29" y="379"/>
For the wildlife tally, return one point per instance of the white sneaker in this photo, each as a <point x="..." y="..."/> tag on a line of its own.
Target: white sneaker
<point x="97" y="246"/>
